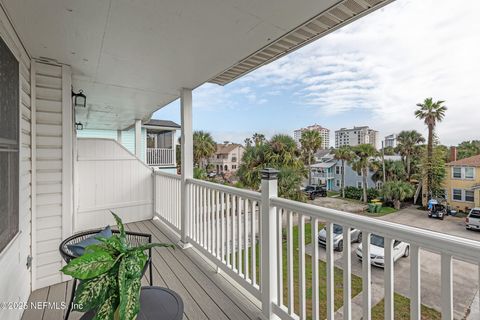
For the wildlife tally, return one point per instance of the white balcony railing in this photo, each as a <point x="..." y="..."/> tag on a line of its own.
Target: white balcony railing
<point x="160" y="157"/>
<point x="249" y="235"/>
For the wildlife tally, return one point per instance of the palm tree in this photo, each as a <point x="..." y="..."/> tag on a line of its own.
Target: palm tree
<point x="258" y="138"/>
<point x="362" y="162"/>
<point x="310" y="142"/>
<point x="344" y="153"/>
<point x="248" y="142"/>
<point x="394" y="170"/>
<point x="407" y="142"/>
<point x="431" y="113"/>
<point x="397" y="191"/>
<point x="282" y="151"/>
<point x="203" y="146"/>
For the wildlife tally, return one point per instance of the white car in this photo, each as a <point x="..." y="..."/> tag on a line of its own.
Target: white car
<point x="355" y="236"/>
<point x="377" y="252"/>
<point x="472" y="221"/>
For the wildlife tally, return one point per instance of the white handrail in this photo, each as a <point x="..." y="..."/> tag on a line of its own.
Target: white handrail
<point x="232" y="190"/>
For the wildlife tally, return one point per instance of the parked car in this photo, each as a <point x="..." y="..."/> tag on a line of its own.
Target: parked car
<point x="377" y="252"/>
<point x="472" y="221"/>
<point x="313" y="191"/>
<point x="437" y="211"/>
<point x="355" y="236"/>
<point x="212" y="174"/>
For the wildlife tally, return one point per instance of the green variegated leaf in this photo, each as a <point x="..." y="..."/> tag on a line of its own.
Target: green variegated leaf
<point x="90" y="265"/>
<point x="107" y="310"/>
<point x="115" y="243"/>
<point x="151" y="245"/>
<point x="101" y="247"/>
<point x="120" y="226"/>
<point x="130" y="299"/>
<point x="91" y="293"/>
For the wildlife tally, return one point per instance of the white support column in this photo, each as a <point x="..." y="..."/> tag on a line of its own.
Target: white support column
<point x="138" y="138"/>
<point x="119" y="136"/>
<point x="174" y="146"/>
<point x="268" y="261"/>
<point x="187" y="162"/>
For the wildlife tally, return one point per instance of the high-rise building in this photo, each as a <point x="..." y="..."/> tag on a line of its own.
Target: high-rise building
<point x="355" y="136"/>
<point x="390" y="141"/>
<point x="324" y="133"/>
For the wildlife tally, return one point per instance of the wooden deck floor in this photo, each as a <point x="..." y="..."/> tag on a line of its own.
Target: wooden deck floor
<point x="206" y="294"/>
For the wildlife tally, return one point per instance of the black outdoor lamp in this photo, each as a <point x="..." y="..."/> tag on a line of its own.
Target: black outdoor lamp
<point x="79" y="99"/>
<point x="78" y="126"/>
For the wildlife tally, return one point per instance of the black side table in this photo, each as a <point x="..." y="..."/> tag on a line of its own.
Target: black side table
<point x="155" y="303"/>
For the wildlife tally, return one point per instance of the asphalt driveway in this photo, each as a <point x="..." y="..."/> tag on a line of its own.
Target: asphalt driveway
<point x="465" y="275"/>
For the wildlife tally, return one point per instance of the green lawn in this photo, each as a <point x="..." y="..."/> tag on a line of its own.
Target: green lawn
<point x="402" y="310"/>
<point x="338" y="276"/>
<point x="383" y="211"/>
<point x="332" y="193"/>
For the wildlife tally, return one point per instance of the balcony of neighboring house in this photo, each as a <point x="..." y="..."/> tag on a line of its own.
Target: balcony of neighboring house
<point x="161" y="143"/>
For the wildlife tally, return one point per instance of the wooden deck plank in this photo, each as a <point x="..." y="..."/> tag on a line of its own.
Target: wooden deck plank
<point x="192" y="310"/>
<point x="208" y="279"/>
<point x="208" y="305"/>
<point x="56" y="294"/>
<point x="37" y="295"/>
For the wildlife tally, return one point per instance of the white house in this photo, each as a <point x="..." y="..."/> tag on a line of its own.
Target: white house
<point x="131" y="58"/>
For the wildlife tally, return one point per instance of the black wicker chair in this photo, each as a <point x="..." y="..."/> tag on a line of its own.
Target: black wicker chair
<point x="134" y="239"/>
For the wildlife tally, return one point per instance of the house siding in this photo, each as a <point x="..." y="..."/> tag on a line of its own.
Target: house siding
<point x="15" y="277"/>
<point x="462" y="184"/>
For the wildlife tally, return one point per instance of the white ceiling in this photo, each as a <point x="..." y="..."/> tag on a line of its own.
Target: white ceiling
<point x="131" y="57"/>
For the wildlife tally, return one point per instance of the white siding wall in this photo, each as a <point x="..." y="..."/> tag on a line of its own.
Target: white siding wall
<point x="109" y="177"/>
<point x="14" y="275"/>
<point x="52" y="212"/>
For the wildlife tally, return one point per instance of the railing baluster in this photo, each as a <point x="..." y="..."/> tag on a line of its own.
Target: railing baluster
<point x="222" y="227"/>
<point x="253" y="244"/>
<point x="279" y="257"/>
<point x="315" y="280"/>
<point x="366" y="276"/>
<point x="228" y="230"/>
<point x="389" y="280"/>
<point x="204" y="217"/>
<point x="302" y="298"/>
<point x="209" y="221"/>
<point x="347" y="273"/>
<point x="290" y="262"/>
<point x="245" y="239"/>
<point x="447" y="287"/>
<point x="415" y="283"/>
<point x="234" y="233"/>
<point x="330" y="260"/>
<point x="217" y="225"/>
<point x="240" y="231"/>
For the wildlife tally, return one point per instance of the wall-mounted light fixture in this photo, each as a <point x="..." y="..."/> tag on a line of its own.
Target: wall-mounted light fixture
<point x="79" y="99"/>
<point x="78" y="126"/>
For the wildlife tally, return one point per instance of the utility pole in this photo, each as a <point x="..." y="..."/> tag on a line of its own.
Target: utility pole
<point x="383" y="161"/>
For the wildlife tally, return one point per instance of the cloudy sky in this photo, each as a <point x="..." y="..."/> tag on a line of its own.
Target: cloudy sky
<point x="371" y="72"/>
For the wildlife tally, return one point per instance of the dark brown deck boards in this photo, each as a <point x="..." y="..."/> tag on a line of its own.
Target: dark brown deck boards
<point x="206" y="294"/>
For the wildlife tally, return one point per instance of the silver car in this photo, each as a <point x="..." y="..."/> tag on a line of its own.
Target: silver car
<point x="472" y="221"/>
<point x="355" y="236"/>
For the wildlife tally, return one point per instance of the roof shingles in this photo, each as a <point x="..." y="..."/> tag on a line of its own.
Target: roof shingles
<point x="470" y="161"/>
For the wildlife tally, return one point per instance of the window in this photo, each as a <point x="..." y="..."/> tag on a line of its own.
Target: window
<point x="457" y="172"/>
<point x="457" y="194"/>
<point x="469" y="173"/>
<point x="234" y="166"/>
<point x="337" y="183"/>
<point x="337" y="170"/>
<point x="359" y="184"/>
<point x="234" y="159"/>
<point x="9" y="145"/>
<point x="469" y="196"/>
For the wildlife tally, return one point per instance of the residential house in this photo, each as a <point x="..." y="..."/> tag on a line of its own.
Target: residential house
<point x="390" y="141"/>
<point x="157" y="142"/>
<point x="355" y="136"/>
<point x="462" y="183"/>
<point x="227" y="157"/>
<point x="132" y="58"/>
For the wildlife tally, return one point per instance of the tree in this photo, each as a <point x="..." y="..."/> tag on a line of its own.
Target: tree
<point x="431" y="113"/>
<point x="362" y="162"/>
<point x="248" y="142"/>
<point x="394" y="170"/>
<point x="468" y="149"/>
<point x="310" y="142"/>
<point x="437" y="169"/>
<point x="344" y="153"/>
<point x="407" y="142"/>
<point x="389" y="151"/>
<point x="203" y="147"/>
<point x="281" y="153"/>
<point x="258" y="138"/>
<point x="397" y="191"/>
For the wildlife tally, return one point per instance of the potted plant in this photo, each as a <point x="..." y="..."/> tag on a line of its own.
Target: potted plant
<point x="110" y="273"/>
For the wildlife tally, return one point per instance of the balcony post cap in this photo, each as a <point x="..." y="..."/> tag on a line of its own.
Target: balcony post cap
<point x="269" y="174"/>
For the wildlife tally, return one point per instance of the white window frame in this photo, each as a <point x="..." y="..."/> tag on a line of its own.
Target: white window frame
<point x="465" y="173"/>
<point x="465" y="195"/>
<point x="337" y="170"/>
<point x="453" y="173"/>
<point x="453" y="194"/>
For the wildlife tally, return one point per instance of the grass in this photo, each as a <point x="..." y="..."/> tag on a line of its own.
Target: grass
<point x="383" y="211"/>
<point x="332" y="193"/>
<point x="402" y="310"/>
<point x="338" y="275"/>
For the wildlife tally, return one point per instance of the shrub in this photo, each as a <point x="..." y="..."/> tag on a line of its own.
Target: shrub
<point x="357" y="193"/>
